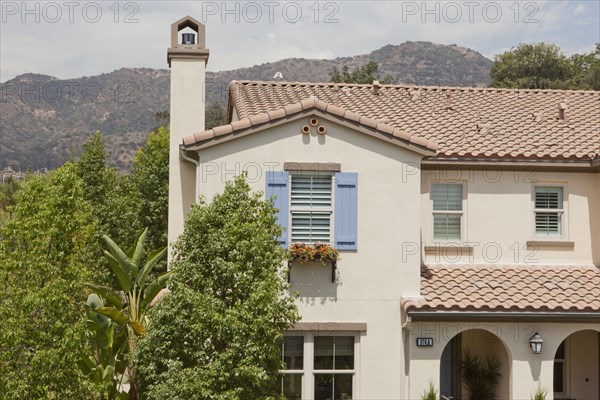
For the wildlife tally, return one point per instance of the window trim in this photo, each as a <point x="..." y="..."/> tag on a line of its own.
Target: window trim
<point x="330" y="209"/>
<point x="308" y="385"/>
<point x="462" y="213"/>
<point x="563" y="235"/>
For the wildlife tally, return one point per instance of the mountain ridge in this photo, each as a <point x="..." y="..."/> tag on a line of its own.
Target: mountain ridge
<point x="45" y="119"/>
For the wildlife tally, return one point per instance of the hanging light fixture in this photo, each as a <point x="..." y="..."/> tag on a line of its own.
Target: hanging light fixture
<point x="536" y="343"/>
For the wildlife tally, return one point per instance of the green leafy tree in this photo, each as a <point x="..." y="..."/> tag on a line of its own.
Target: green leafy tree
<point x="46" y="254"/>
<point x="114" y="203"/>
<point x="150" y="180"/>
<point x="587" y="69"/>
<point x="217" y="334"/>
<point x="365" y="74"/>
<point x="138" y="290"/>
<point x="215" y="115"/>
<point x="544" y="66"/>
<point x="8" y="191"/>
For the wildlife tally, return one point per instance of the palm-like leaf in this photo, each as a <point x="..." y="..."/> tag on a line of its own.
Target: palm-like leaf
<point x="153" y="288"/>
<point x="153" y="258"/>
<point x="107" y="293"/>
<point x="139" y="252"/>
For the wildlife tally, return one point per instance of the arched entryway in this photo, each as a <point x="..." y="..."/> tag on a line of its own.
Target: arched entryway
<point x="576" y="372"/>
<point x="481" y="344"/>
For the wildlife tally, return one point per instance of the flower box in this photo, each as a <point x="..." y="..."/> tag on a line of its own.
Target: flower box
<point x="319" y="252"/>
<point x="322" y="252"/>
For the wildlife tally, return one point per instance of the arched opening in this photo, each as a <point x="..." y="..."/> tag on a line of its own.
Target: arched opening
<point x="481" y="345"/>
<point x="576" y="372"/>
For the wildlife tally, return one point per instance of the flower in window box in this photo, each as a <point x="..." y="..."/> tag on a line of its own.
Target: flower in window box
<point x="323" y="252"/>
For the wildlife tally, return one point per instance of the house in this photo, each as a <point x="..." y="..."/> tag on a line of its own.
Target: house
<point x="466" y="219"/>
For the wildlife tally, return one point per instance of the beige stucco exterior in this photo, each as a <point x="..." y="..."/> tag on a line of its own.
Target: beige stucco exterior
<point x="522" y="370"/>
<point x="370" y="281"/>
<point x="498" y="218"/>
<point x="395" y="238"/>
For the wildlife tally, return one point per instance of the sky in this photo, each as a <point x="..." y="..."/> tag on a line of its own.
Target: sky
<point x="71" y="39"/>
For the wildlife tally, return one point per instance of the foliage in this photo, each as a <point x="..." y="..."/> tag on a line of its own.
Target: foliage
<point x="110" y="195"/>
<point x="365" y="74"/>
<point x="480" y="378"/>
<point x="45" y="256"/>
<point x="106" y="365"/>
<point x="430" y="393"/>
<point x="150" y="180"/>
<point x="216" y="335"/>
<point x="544" y="66"/>
<point x="540" y="393"/>
<point x="216" y="115"/>
<point x="8" y="192"/>
<point x="138" y="291"/>
<point x="317" y="252"/>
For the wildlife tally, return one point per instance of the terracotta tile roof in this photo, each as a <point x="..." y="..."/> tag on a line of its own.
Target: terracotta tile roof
<point x="507" y="288"/>
<point x="260" y="120"/>
<point x="464" y="122"/>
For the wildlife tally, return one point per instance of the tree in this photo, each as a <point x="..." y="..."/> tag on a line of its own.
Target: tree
<point x="114" y="203"/>
<point x="150" y="179"/>
<point x="46" y="254"/>
<point x="216" y="334"/>
<point x="365" y="74"/>
<point x="215" y="115"/>
<point x="8" y="191"/>
<point x="587" y="69"/>
<point x="544" y="66"/>
<point x="138" y="290"/>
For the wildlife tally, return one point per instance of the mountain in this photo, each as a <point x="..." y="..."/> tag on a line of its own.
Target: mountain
<point x="45" y="120"/>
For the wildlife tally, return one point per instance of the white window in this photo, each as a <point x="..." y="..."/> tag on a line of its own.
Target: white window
<point x="319" y="367"/>
<point x="447" y="211"/>
<point x="548" y="210"/>
<point x="311" y="207"/>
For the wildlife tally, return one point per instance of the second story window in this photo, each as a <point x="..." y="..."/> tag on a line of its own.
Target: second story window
<point x="548" y="210"/>
<point x="315" y="206"/>
<point x="311" y="208"/>
<point x="447" y="211"/>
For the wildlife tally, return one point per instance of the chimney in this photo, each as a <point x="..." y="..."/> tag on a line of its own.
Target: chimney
<point x="187" y="58"/>
<point x="376" y="86"/>
<point x="562" y="111"/>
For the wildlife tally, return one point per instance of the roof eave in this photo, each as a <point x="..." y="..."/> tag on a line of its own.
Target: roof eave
<point x="540" y="316"/>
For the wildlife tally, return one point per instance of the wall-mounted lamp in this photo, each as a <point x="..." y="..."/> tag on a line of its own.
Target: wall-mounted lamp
<point x="536" y="343"/>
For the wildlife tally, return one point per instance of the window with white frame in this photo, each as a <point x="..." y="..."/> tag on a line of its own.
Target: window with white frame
<point x="311" y="207"/>
<point x="333" y="367"/>
<point x="329" y="373"/>
<point x="447" y="211"/>
<point x="548" y="210"/>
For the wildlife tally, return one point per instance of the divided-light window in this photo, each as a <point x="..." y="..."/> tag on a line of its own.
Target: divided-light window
<point x="447" y="211"/>
<point x="311" y="207"/>
<point x="548" y="210"/>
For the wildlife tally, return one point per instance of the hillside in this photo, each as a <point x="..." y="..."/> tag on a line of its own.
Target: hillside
<point x="45" y="120"/>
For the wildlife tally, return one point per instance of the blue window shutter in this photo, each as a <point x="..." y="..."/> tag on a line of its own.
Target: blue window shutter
<point x="277" y="185"/>
<point x="346" y="210"/>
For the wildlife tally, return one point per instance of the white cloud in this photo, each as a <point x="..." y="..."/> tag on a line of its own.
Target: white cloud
<point x="329" y="29"/>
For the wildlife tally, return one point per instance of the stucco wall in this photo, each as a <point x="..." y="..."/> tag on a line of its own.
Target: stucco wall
<point x="498" y="217"/>
<point x="187" y="118"/>
<point x="371" y="280"/>
<point x="527" y="369"/>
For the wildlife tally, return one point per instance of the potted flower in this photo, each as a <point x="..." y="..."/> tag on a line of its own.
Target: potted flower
<point x="303" y="252"/>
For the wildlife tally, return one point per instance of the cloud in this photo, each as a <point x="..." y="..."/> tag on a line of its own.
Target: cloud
<point x="97" y="37"/>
